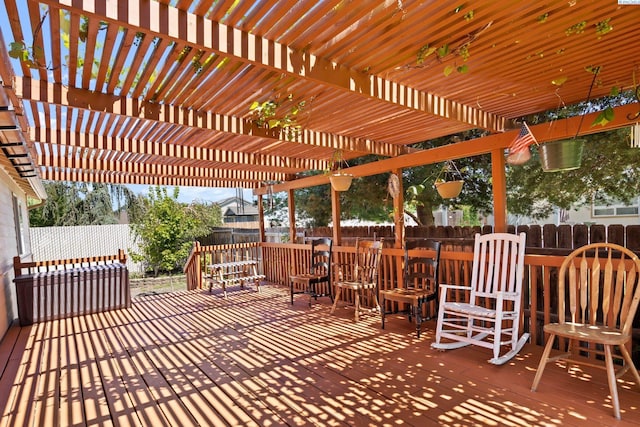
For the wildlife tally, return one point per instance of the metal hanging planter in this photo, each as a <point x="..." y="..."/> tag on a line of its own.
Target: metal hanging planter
<point x="566" y="154"/>
<point x="563" y="155"/>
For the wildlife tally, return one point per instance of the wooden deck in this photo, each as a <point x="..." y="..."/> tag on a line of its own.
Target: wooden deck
<point x="192" y="358"/>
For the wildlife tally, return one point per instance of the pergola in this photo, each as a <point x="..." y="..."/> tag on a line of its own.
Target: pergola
<point x="160" y="92"/>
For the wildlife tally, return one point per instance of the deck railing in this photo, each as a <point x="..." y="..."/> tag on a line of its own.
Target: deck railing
<point x="279" y="260"/>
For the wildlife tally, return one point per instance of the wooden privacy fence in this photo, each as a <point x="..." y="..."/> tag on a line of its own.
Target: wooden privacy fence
<point x="55" y="289"/>
<point x="548" y="236"/>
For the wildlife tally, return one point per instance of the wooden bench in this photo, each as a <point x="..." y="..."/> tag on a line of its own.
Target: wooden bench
<point x="233" y="273"/>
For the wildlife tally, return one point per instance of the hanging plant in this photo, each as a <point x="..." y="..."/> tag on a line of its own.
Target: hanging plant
<point x="31" y="56"/>
<point x="265" y="116"/>
<point x="340" y="181"/>
<point x="449" y="181"/>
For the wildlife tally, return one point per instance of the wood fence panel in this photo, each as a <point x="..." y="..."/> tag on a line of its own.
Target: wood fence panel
<point x="598" y="233"/>
<point x="565" y="236"/>
<point x="580" y="235"/>
<point x="633" y="237"/>
<point x="534" y="236"/>
<point x="549" y="236"/>
<point x="615" y="234"/>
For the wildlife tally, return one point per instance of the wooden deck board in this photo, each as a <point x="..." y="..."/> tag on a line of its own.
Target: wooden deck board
<point x="192" y="358"/>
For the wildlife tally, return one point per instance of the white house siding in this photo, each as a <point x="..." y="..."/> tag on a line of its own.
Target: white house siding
<point x="83" y="241"/>
<point x="9" y="245"/>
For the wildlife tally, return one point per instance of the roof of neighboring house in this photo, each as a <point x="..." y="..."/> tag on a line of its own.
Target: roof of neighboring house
<point x="237" y="206"/>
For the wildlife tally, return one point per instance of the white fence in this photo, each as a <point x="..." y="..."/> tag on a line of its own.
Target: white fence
<point x="49" y="243"/>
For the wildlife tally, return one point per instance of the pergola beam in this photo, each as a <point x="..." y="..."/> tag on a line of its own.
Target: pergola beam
<point x="57" y="94"/>
<point x="75" y="175"/>
<point x="108" y="164"/>
<point x="48" y="135"/>
<point x="561" y="129"/>
<point x="165" y="21"/>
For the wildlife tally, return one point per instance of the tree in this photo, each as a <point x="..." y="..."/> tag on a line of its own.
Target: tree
<point x="610" y="172"/>
<point x="367" y="199"/>
<point x="76" y="203"/>
<point x="421" y="196"/>
<point x="167" y="229"/>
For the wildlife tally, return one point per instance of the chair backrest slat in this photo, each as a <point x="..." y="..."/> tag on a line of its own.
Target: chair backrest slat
<point x="321" y="256"/>
<point x="420" y="272"/>
<point x="603" y="285"/>
<point x="498" y="265"/>
<point x="367" y="261"/>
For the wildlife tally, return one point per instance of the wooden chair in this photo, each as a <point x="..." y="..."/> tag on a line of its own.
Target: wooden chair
<point x="316" y="282"/>
<point x="491" y="317"/>
<point x="420" y="283"/>
<point x="362" y="277"/>
<point x="603" y="294"/>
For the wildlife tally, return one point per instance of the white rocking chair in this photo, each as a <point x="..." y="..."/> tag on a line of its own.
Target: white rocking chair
<point x="491" y="317"/>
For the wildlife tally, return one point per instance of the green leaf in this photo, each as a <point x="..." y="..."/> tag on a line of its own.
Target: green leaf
<point x="604" y="117"/>
<point x="415" y="189"/>
<point x="38" y="53"/>
<point x="448" y="70"/>
<point x="576" y="28"/>
<point x="274" y="123"/>
<point x="603" y="27"/>
<point x="254" y="105"/>
<point x="424" y="52"/>
<point x="462" y="69"/>
<point x="18" y="51"/>
<point x="559" y="81"/>
<point x="443" y="51"/>
<point x="593" y="69"/>
<point x="615" y="91"/>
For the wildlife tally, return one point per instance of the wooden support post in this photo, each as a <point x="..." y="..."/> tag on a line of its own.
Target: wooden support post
<point x="499" y="190"/>
<point x="292" y="216"/>
<point x="261" y="219"/>
<point x="335" y="216"/>
<point x="398" y="210"/>
<point x="196" y="262"/>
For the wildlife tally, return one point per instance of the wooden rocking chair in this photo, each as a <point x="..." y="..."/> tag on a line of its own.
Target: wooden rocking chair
<point x="604" y="293"/>
<point x="491" y="317"/>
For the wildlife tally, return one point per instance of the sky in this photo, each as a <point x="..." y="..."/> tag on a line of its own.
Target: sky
<point x="204" y="194"/>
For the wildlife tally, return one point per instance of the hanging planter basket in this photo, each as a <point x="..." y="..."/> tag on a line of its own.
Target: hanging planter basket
<point x="563" y="155"/>
<point x="449" y="189"/>
<point x="341" y="181"/>
<point x="449" y="181"/>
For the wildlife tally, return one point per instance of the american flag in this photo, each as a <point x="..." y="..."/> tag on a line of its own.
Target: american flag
<point x="524" y="139"/>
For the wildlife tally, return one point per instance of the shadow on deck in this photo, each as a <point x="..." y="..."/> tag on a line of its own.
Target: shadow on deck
<point x="191" y="358"/>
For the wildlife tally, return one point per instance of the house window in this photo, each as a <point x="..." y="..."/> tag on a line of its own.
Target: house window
<point x="19" y="224"/>
<point x="616" y="210"/>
